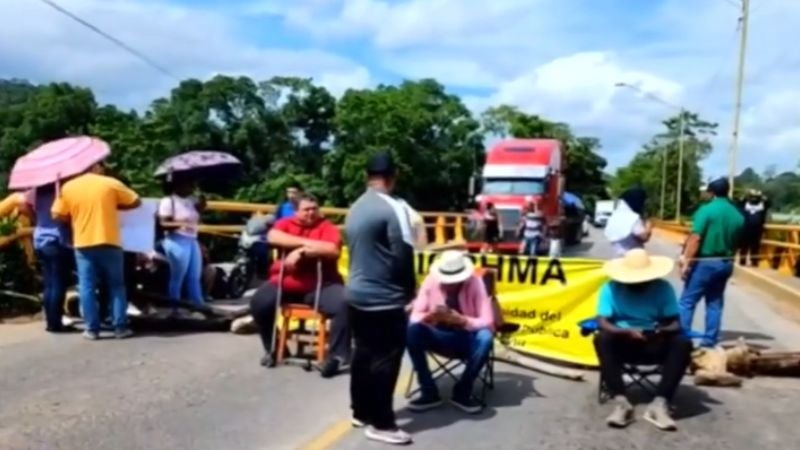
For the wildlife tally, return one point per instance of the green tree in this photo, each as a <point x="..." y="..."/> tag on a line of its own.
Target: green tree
<point x="647" y="165"/>
<point x="432" y="135"/>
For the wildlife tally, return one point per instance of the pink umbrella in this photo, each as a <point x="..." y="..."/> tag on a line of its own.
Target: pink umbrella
<point x="57" y="160"/>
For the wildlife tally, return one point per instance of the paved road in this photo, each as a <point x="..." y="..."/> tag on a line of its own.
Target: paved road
<point x="206" y="391"/>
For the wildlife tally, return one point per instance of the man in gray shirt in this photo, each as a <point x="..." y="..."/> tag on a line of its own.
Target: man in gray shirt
<point x="381" y="282"/>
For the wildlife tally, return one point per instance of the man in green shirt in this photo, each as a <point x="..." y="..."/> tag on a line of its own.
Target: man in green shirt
<point x="707" y="261"/>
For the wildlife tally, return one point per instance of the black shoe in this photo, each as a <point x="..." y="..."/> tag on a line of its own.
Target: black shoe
<point x="267" y="361"/>
<point x="467" y="404"/>
<point x="330" y="368"/>
<point x="425" y="402"/>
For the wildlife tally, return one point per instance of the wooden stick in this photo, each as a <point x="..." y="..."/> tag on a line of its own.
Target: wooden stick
<point x="506" y="354"/>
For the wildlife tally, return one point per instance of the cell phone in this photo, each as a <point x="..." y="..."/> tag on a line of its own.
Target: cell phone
<point x="441" y="309"/>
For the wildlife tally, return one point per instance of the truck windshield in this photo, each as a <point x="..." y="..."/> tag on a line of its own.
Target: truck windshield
<point x="510" y="186"/>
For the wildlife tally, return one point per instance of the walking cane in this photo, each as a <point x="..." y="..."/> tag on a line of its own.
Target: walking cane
<point x="317" y="294"/>
<point x="273" y="350"/>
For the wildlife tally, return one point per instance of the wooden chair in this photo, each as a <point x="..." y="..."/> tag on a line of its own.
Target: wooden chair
<point x="290" y="313"/>
<point x="302" y="314"/>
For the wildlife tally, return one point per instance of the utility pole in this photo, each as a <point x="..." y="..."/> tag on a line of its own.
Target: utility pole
<point x="663" y="181"/>
<point x="678" y="193"/>
<point x="739" y="86"/>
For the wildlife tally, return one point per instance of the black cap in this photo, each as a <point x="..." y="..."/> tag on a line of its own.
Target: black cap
<point x="719" y="187"/>
<point x="381" y="164"/>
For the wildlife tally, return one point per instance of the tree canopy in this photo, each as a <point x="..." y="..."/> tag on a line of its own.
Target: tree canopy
<point x="289" y="129"/>
<point x="646" y="169"/>
<point x="782" y="189"/>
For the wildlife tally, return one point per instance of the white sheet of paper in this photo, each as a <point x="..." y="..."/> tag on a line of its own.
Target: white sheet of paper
<point x="138" y="227"/>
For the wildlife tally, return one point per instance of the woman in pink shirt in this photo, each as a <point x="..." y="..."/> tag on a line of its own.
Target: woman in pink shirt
<point x="453" y="316"/>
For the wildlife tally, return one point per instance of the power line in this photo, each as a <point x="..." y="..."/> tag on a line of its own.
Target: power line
<point x="147" y="60"/>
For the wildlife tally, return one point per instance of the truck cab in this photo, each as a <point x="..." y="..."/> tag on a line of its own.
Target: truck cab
<point x="518" y="172"/>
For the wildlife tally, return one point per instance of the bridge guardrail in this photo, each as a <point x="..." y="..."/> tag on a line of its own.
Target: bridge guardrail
<point x="444" y="226"/>
<point x="780" y="245"/>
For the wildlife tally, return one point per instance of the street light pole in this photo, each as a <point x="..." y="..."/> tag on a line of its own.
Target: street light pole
<point x="682" y="132"/>
<point x="679" y="193"/>
<point x="739" y="85"/>
<point x="663" y="181"/>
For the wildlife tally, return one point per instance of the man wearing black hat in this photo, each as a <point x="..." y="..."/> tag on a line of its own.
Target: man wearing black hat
<point x="381" y="282"/>
<point x="707" y="261"/>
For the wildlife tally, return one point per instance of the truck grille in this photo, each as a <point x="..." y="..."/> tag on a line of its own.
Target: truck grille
<point x="509" y="217"/>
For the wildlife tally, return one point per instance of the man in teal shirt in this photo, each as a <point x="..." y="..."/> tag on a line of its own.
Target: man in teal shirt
<point x="637" y="313"/>
<point x="707" y="261"/>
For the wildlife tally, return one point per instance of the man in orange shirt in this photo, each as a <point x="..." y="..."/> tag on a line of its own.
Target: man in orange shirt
<point x="90" y="203"/>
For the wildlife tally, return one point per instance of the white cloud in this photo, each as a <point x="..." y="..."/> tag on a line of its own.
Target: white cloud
<point x="558" y="58"/>
<point x="188" y="41"/>
<point x="561" y="58"/>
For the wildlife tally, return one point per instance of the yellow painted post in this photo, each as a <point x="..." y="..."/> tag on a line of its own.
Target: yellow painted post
<point x="26" y="241"/>
<point x="439" y="230"/>
<point x="458" y="235"/>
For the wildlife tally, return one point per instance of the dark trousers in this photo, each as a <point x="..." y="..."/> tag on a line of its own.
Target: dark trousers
<point x="332" y="304"/>
<point x="751" y="244"/>
<point x="56" y="261"/>
<point x="672" y="352"/>
<point x="380" y="340"/>
<point x="259" y="256"/>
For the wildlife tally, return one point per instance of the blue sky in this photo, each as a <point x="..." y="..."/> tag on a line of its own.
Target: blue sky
<point x="556" y="58"/>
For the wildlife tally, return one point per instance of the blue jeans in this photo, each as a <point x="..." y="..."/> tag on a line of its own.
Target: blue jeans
<point x="104" y="262"/>
<point x="706" y="279"/>
<point x="530" y="245"/>
<point x="185" y="267"/>
<point x="55" y="261"/>
<point x="472" y="346"/>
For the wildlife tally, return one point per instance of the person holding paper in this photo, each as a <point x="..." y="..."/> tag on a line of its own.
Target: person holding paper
<point x="179" y="213"/>
<point x="90" y="203"/>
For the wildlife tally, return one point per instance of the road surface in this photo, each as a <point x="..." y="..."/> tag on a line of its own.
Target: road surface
<point x="207" y="391"/>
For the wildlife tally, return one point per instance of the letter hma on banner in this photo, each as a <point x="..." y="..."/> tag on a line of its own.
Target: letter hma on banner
<point x="546" y="297"/>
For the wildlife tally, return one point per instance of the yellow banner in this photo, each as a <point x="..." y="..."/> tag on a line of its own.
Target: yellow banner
<point x="547" y="297"/>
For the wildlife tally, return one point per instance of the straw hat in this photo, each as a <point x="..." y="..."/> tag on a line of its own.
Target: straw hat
<point x="453" y="267"/>
<point x="638" y="267"/>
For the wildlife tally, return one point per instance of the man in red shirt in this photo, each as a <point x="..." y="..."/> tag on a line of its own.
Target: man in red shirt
<point x="305" y="238"/>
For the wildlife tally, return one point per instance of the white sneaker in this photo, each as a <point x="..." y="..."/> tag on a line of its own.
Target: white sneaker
<point x="394" y="437"/>
<point x="357" y="423"/>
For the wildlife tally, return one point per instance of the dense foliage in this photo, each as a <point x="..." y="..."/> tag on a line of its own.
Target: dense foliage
<point x="647" y="166"/>
<point x="782" y="189"/>
<point x="289" y="129"/>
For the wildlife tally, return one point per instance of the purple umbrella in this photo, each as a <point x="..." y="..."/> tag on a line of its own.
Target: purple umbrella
<point x="209" y="168"/>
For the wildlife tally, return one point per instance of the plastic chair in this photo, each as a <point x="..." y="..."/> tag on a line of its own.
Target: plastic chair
<point x="301" y="313"/>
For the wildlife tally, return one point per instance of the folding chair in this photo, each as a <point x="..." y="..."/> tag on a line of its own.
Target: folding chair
<point x="452" y="365"/>
<point x="639" y="374"/>
<point x="292" y="312"/>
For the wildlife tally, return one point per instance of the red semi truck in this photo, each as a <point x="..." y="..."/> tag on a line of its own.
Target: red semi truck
<point x="517" y="172"/>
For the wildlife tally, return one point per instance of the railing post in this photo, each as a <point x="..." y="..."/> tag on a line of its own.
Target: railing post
<point x="458" y="234"/>
<point x="439" y="230"/>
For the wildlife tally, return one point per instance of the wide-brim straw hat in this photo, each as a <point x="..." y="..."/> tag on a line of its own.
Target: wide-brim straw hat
<point x="638" y="267"/>
<point x="453" y="267"/>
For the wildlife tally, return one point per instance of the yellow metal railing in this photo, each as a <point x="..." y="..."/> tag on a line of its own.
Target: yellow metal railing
<point x="446" y="226"/>
<point x="780" y="245"/>
<point x="780" y="248"/>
